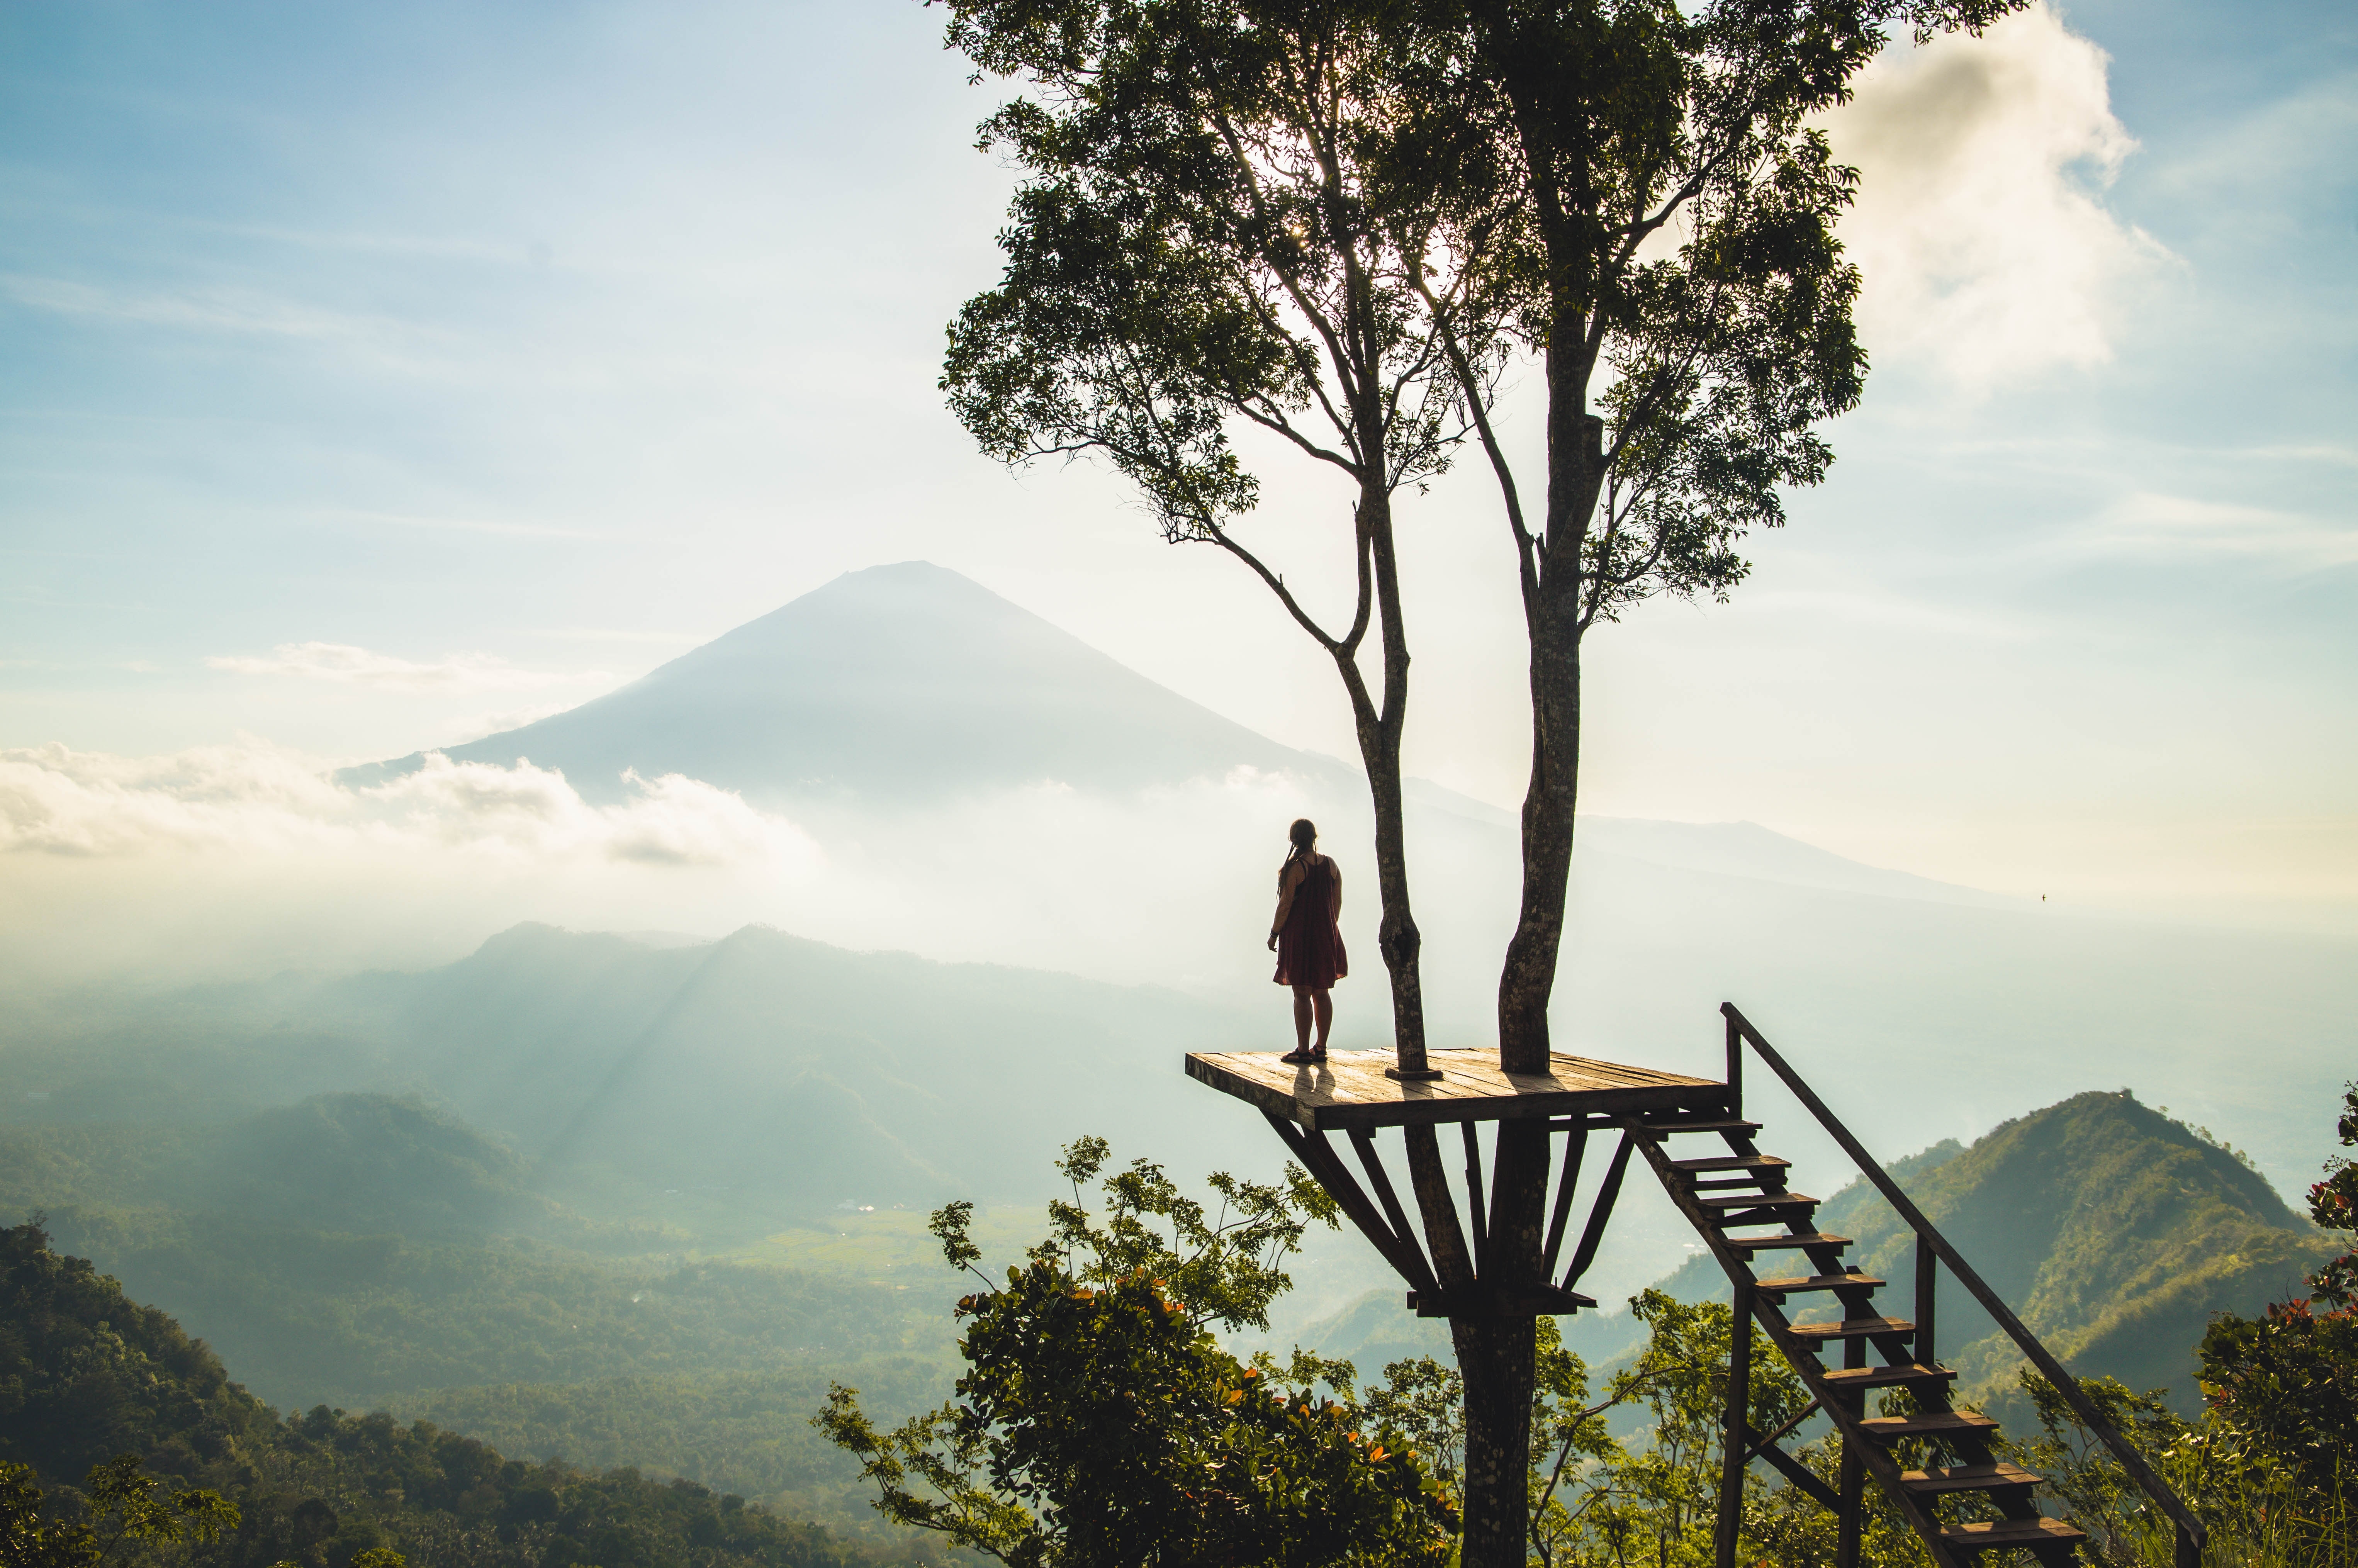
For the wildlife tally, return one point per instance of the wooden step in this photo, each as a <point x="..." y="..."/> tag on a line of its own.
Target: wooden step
<point x="1914" y="1375"/>
<point x="1967" y="1479"/>
<point x="1732" y="1163"/>
<point x="1850" y="1328"/>
<point x="1931" y="1423"/>
<point x="2009" y="1532"/>
<point x="1734" y="1183"/>
<point x="1793" y="1284"/>
<point x="1755" y="1200"/>
<point x="1775" y="1243"/>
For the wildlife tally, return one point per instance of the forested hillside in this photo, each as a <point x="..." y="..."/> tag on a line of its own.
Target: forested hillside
<point x="2113" y="1231"/>
<point x="86" y="1374"/>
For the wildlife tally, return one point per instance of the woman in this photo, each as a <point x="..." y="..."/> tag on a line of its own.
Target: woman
<point x="1309" y="945"/>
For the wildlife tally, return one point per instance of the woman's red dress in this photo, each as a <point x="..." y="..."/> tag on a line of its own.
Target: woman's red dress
<point x="1310" y="946"/>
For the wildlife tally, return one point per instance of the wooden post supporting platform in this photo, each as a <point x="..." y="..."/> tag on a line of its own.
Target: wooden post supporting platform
<point x="1852" y="1490"/>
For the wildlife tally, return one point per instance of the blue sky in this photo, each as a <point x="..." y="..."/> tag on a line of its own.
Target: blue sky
<point x="371" y="377"/>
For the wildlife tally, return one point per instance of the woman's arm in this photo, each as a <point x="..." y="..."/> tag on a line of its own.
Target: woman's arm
<point x="1289" y="877"/>
<point x="1335" y="871"/>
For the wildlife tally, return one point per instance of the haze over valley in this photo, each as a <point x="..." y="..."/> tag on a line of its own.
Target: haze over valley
<point x="565" y="1176"/>
<point x="1040" y="807"/>
<point x="655" y="660"/>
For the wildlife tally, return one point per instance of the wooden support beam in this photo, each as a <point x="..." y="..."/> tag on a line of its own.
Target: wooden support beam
<point x="1778" y="1435"/>
<point x="1476" y="1211"/>
<point x="1847" y="1502"/>
<point x="1735" y="1429"/>
<point x="1511" y="1179"/>
<point x="1364" y="1140"/>
<point x="1318" y="1157"/>
<point x="1800" y="1475"/>
<point x="1601" y="1211"/>
<point x="1505" y="1300"/>
<point x="1574" y="1147"/>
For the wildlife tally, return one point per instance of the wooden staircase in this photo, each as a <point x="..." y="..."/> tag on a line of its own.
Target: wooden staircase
<point x="1822" y="1315"/>
<point x="1936" y="1464"/>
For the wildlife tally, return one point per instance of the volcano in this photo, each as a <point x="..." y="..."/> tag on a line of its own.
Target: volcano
<point x="894" y="685"/>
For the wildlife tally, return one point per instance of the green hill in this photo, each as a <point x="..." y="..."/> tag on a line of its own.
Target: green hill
<point x="2113" y="1231"/>
<point x="86" y="1374"/>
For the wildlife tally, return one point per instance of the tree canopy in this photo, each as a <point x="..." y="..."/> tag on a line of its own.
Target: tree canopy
<point x="1100" y="1422"/>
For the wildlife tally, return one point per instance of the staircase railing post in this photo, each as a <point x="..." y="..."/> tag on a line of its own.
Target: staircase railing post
<point x="1736" y="1439"/>
<point x="1928" y="1280"/>
<point x="1735" y="1065"/>
<point x="2189" y="1551"/>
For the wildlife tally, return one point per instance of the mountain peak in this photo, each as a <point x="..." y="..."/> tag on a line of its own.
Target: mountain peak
<point x="893" y="683"/>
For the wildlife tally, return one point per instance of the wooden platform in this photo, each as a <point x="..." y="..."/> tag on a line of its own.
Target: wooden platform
<point x="1349" y="1089"/>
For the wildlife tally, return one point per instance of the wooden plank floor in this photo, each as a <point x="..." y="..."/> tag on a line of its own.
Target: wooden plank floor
<point x="1349" y="1089"/>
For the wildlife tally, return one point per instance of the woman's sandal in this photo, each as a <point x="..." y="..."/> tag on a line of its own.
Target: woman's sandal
<point x="1299" y="1053"/>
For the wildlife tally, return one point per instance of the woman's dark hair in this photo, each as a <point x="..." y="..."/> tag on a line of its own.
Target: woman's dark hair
<point x="1305" y="833"/>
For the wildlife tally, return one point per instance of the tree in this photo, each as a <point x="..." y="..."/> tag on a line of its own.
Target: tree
<point x="1229" y="218"/>
<point x="2288" y="1380"/>
<point x="2259" y="1506"/>
<point x="1099" y="1422"/>
<point x="2333" y="1204"/>
<point x="1338" y="223"/>
<point x="1667" y="257"/>
<point x="122" y="1505"/>
<point x="1595" y="1500"/>
<point x="1245" y="217"/>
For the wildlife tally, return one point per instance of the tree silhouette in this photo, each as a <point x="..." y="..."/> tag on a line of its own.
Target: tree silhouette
<point x="1339" y="224"/>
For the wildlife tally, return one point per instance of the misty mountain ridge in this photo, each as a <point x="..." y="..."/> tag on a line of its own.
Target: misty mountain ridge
<point x="893" y="685"/>
<point x="900" y="686"/>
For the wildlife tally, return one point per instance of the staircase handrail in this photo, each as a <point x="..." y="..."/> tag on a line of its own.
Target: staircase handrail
<point x="2191" y="1531"/>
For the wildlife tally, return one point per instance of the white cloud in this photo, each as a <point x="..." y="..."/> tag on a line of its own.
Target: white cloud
<point x="253" y="799"/>
<point x="1984" y="249"/>
<point x="358" y="666"/>
<point x="245" y="312"/>
<point x="2148" y="523"/>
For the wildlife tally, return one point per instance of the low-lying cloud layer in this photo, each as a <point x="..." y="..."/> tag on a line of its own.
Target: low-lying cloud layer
<point x="256" y="800"/>
<point x="247" y="859"/>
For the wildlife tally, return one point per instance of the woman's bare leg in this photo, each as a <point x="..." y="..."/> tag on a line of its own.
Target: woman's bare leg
<point x="1323" y="1003"/>
<point x="1301" y="1009"/>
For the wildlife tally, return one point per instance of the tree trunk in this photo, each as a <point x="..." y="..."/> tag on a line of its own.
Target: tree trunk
<point x="1496" y="1356"/>
<point x="1380" y="732"/>
<point x="1527" y="981"/>
<point x="1552" y="612"/>
<point x="1397" y="938"/>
